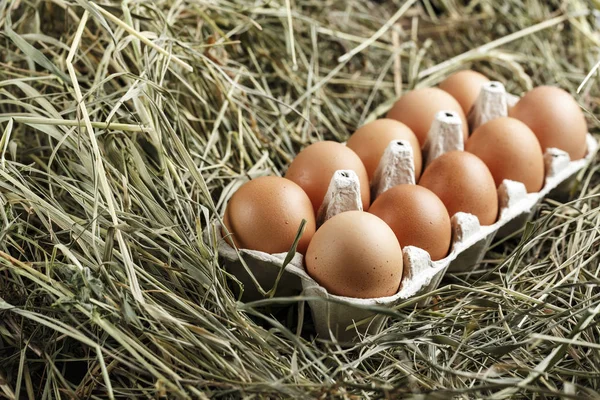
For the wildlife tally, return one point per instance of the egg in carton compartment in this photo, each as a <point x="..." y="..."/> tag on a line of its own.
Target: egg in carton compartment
<point x="252" y="267"/>
<point x="346" y="318"/>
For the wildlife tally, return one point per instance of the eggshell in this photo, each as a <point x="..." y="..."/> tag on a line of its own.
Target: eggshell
<point x="418" y="218"/>
<point x="417" y="110"/>
<point x="463" y="183"/>
<point x="555" y="118"/>
<point x="464" y="86"/>
<point x="371" y="140"/>
<point x="265" y="214"/>
<point x="510" y="150"/>
<point x="314" y="166"/>
<point x="355" y="254"/>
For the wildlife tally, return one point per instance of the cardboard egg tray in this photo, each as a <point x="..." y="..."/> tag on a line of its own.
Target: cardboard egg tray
<point x="337" y="316"/>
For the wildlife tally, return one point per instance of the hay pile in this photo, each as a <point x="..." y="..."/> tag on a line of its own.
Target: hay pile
<point x="126" y="127"/>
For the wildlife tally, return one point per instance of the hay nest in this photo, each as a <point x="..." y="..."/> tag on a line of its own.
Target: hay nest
<point x="126" y="126"/>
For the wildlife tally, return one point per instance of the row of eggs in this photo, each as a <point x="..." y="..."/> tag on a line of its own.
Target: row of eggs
<point x="358" y="253"/>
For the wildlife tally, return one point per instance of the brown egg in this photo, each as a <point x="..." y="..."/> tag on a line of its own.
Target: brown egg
<point x="555" y="118"/>
<point x="417" y="110"/>
<point x="313" y="168"/>
<point x="355" y="254"/>
<point x="265" y="214"/>
<point x="510" y="150"/>
<point x="371" y="140"/>
<point x="463" y="183"/>
<point x="418" y="218"/>
<point x="464" y="86"/>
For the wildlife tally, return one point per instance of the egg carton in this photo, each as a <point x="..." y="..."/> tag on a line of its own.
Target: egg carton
<point x="345" y="318"/>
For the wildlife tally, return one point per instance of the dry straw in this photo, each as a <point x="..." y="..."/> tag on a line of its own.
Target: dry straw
<point x="126" y="126"/>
